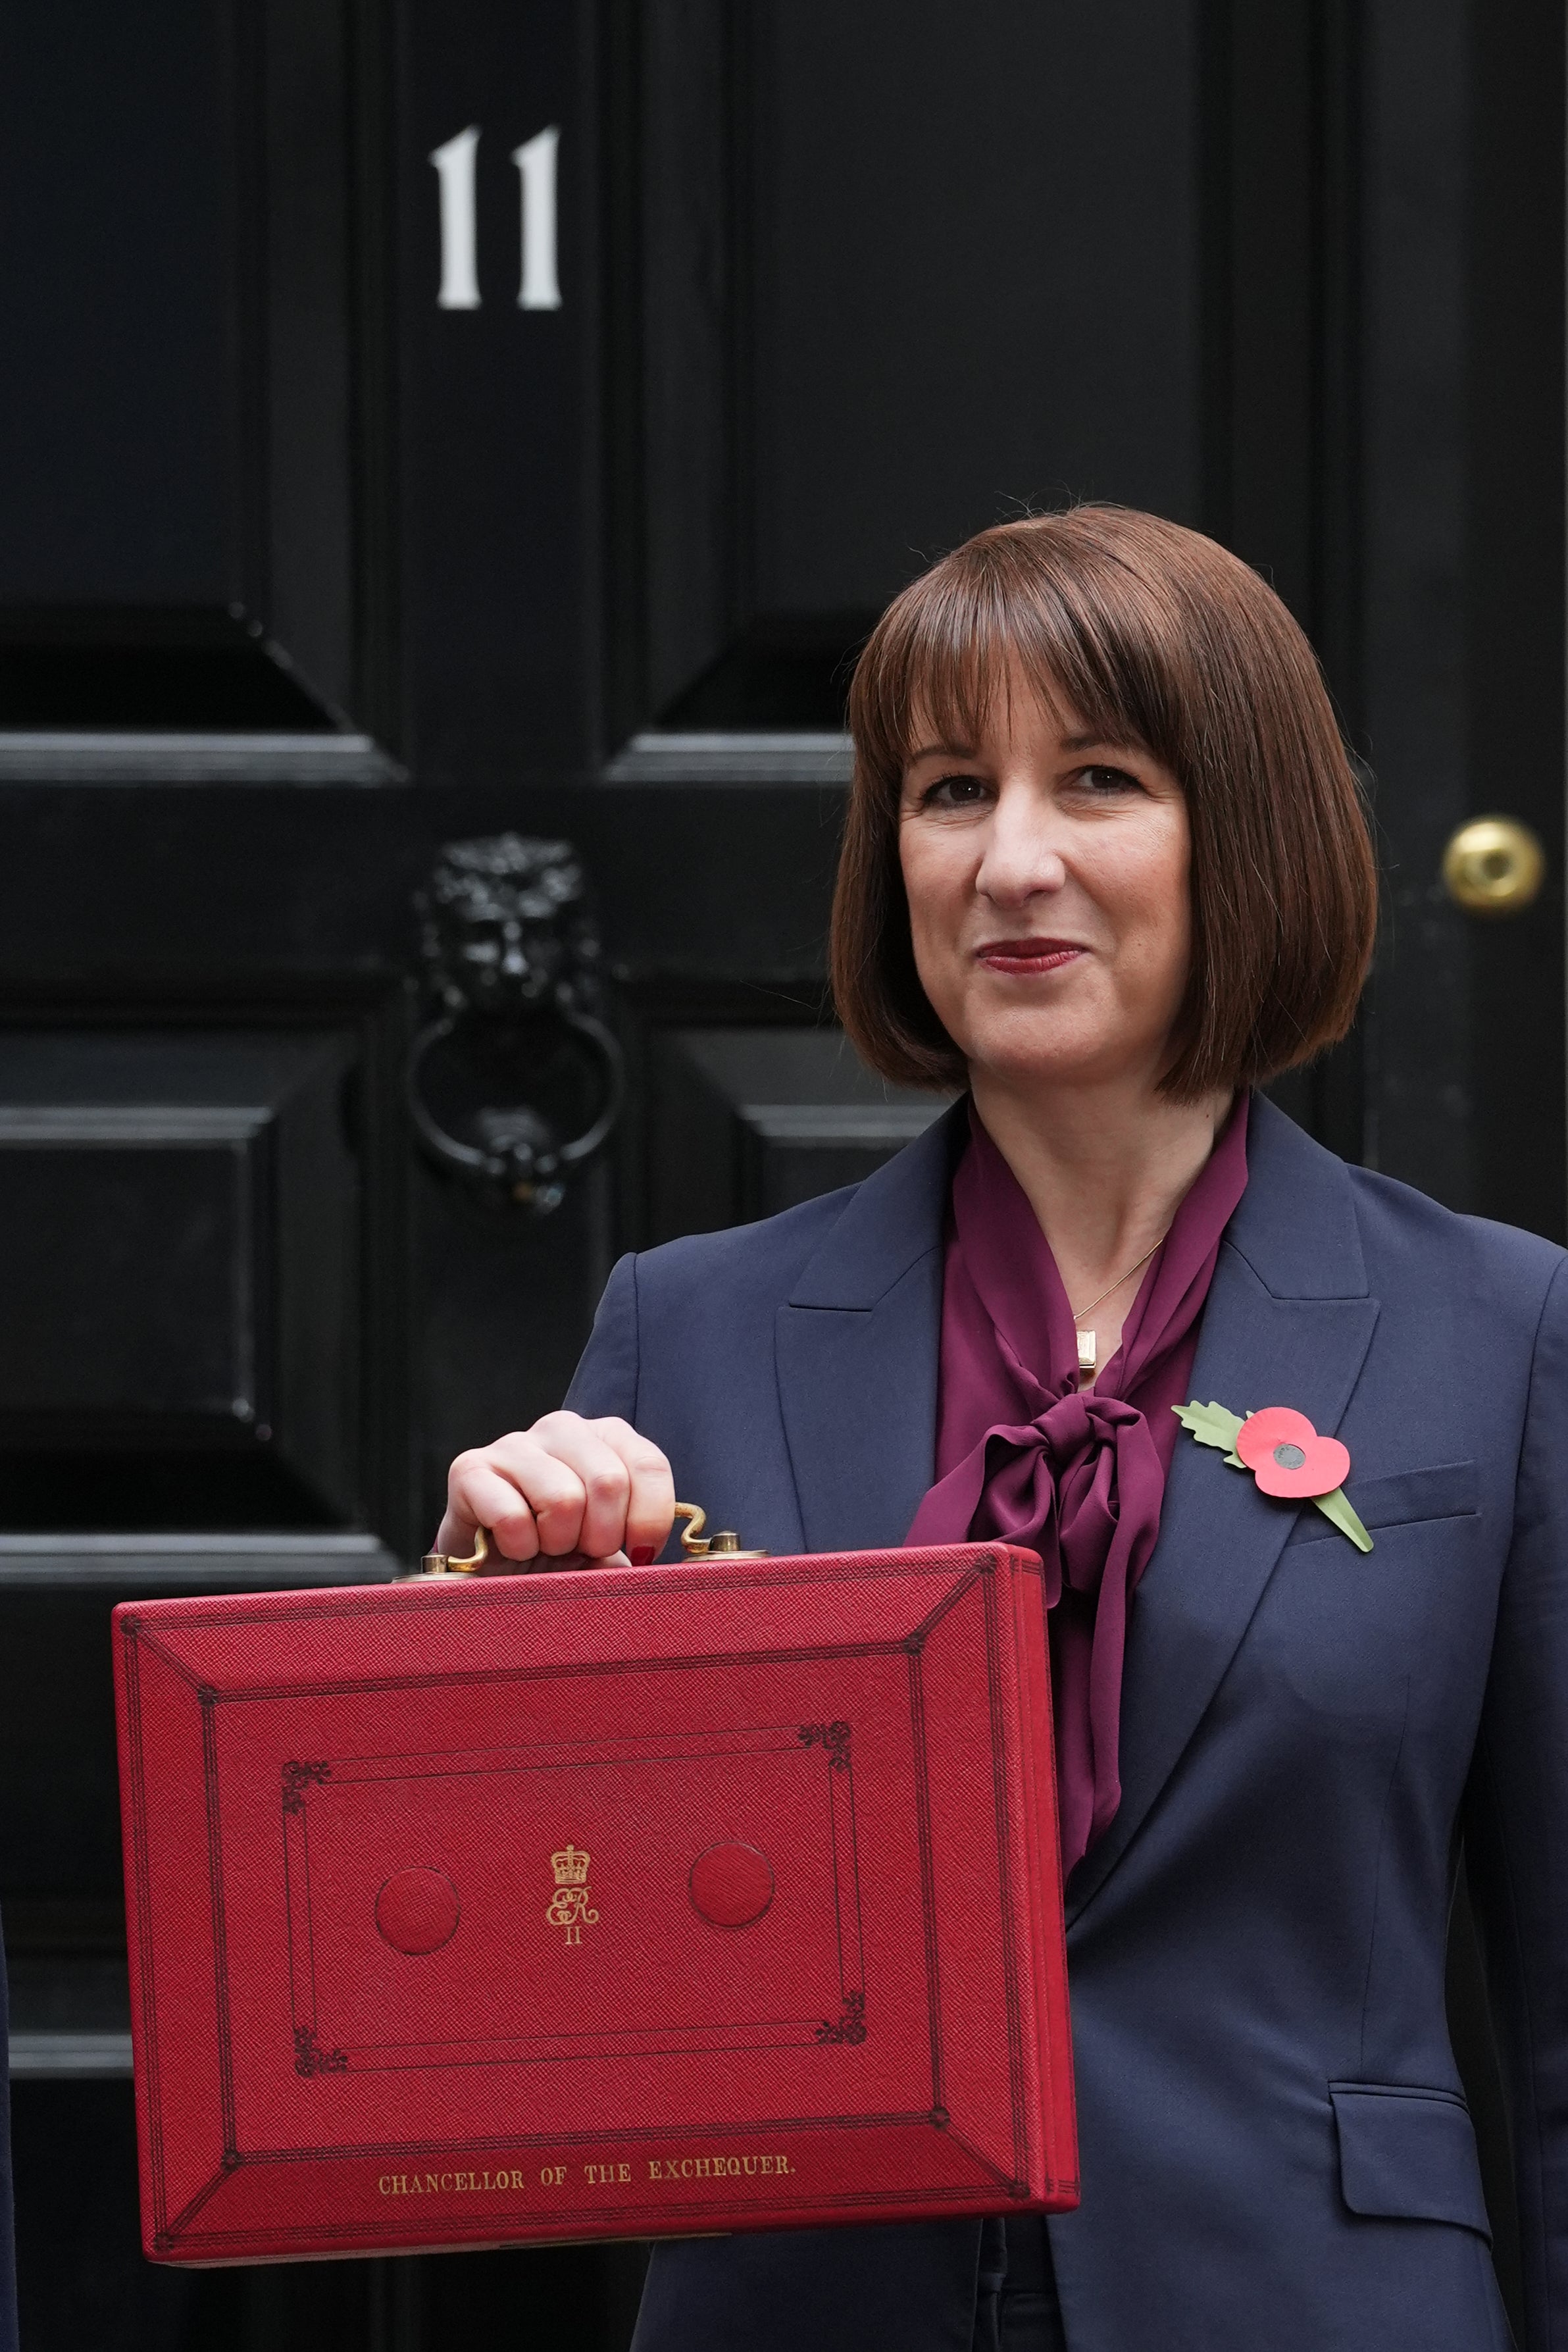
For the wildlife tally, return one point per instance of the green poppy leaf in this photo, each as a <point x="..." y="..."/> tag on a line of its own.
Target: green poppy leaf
<point x="1211" y="1424"/>
<point x="1343" y="1516"/>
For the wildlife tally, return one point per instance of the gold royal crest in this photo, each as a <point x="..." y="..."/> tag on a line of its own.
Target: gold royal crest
<point x="570" y="1906"/>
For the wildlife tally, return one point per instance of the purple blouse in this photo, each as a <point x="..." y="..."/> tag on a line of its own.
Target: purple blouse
<point x="1076" y="1475"/>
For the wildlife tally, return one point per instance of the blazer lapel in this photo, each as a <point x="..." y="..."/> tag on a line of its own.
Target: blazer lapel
<point x="1287" y="1321"/>
<point x="856" y="1352"/>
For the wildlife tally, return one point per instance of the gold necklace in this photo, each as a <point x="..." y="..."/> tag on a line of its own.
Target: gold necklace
<point x="1087" y="1359"/>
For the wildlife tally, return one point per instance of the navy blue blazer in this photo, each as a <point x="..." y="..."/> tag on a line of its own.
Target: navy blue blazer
<point x="1276" y="2150"/>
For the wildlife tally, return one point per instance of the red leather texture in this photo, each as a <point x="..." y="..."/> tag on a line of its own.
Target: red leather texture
<point x="633" y="1904"/>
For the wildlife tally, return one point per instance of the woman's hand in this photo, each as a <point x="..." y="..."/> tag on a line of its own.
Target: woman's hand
<point x="567" y="1490"/>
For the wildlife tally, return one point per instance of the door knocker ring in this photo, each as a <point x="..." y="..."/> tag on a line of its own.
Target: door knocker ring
<point x="511" y="951"/>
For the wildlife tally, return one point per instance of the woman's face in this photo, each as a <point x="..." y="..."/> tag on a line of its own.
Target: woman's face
<point x="1047" y="882"/>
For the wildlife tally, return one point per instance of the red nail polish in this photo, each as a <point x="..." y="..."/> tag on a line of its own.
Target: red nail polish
<point x="642" y="1555"/>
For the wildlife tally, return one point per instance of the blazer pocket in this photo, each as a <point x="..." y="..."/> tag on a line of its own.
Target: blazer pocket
<point x="1408" y="2155"/>
<point x="1448" y="1492"/>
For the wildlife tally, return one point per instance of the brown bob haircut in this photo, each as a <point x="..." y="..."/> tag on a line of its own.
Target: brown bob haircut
<point x="1151" y="636"/>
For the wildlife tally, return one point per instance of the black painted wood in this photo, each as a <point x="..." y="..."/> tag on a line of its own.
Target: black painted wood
<point x="181" y="1237"/>
<point x="745" y="1123"/>
<point x="274" y="518"/>
<point x="890" y="293"/>
<point x="195" y="460"/>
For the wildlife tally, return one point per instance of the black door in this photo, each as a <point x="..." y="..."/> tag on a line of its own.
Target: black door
<point x="420" y="426"/>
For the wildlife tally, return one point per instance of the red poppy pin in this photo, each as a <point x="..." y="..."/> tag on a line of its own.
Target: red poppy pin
<point x="1284" y="1453"/>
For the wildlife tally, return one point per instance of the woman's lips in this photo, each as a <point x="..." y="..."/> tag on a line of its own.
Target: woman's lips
<point x="1027" y="956"/>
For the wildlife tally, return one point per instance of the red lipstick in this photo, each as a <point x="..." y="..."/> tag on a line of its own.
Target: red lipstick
<point x="1026" y="957"/>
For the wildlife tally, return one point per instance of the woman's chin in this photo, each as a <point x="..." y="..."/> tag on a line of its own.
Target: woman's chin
<point x="1031" y="1063"/>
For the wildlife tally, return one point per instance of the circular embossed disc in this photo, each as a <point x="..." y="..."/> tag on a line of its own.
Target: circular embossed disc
<point x="416" y="1910"/>
<point x="731" y="1886"/>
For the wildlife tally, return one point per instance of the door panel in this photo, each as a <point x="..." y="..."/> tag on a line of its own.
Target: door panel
<point x="194" y="460"/>
<point x="888" y="294"/>
<point x="182" y="1228"/>
<point x="748" y="1122"/>
<point x="333" y="537"/>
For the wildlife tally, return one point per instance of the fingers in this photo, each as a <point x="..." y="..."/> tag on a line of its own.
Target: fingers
<point x="650" y="1506"/>
<point x="627" y="1499"/>
<point x="480" y="1494"/>
<point x="567" y="1486"/>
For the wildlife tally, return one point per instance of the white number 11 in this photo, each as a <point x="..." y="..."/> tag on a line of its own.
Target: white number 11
<point x="540" y="287"/>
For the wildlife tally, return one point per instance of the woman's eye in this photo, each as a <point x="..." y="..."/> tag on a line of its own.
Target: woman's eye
<point x="1107" y="784"/>
<point x="955" y="792"/>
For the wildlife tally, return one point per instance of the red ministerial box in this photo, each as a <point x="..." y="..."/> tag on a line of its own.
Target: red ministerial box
<point x="636" y="1903"/>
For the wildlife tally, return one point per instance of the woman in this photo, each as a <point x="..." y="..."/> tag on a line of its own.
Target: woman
<point x="1106" y="869"/>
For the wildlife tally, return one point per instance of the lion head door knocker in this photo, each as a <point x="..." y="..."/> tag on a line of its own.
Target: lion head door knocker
<point x="516" y="1081"/>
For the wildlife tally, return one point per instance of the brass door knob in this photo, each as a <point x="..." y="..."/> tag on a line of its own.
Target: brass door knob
<point x="1494" y="866"/>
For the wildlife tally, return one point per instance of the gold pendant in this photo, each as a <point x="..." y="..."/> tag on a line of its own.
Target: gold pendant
<point x="1086" y="1351"/>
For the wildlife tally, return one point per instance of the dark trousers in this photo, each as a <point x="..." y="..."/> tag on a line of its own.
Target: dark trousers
<point x="1017" y="2310"/>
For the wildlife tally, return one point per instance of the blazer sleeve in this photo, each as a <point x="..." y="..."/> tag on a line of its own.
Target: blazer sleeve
<point x="605" y="1381"/>
<point x="1517" y="1830"/>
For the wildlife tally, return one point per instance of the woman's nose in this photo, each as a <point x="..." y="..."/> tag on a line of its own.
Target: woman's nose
<point x="1021" y="859"/>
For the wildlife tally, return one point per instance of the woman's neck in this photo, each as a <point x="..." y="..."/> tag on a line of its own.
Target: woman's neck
<point x="1105" y="1169"/>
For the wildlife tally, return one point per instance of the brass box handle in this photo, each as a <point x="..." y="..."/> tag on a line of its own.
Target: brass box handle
<point x="442" y="1563"/>
<point x="724" y="1544"/>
